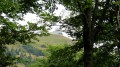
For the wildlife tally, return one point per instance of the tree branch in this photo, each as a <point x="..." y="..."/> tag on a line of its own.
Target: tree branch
<point x="101" y="19"/>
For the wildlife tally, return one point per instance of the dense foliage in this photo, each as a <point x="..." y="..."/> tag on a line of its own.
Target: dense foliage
<point x="93" y="22"/>
<point x="11" y="31"/>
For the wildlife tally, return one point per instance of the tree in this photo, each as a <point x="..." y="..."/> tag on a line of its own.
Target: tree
<point x="99" y="20"/>
<point x="10" y="31"/>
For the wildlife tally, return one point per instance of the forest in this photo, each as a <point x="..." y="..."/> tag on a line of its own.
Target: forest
<point x="94" y="26"/>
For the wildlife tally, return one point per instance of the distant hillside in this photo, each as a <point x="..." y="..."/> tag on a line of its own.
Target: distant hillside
<point x="54" y="39"/>
<point x="31" y="51"/>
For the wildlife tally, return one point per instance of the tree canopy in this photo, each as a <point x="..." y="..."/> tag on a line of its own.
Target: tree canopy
<point x="11" y="31"/>
<point x="94" y="22"/>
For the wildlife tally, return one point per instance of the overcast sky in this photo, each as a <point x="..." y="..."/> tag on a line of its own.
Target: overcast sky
<point x="33" y="18"/>
<point x="59" y="12"/>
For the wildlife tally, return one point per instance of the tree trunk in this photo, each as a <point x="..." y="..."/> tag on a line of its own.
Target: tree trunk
<point x="88" y="38"/>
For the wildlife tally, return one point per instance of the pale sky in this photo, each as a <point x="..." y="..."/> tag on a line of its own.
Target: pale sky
<point x="29" y="17"/>
<point x="59" y="12"/>
<point x="33" y="18"/>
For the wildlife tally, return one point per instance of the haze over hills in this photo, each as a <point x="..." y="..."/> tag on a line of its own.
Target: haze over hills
<point x="57" y="30"/>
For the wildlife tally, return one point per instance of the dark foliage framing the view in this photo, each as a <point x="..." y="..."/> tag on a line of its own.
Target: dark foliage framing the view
<point x="10" y="31"/>
<point x="93" y="22"/>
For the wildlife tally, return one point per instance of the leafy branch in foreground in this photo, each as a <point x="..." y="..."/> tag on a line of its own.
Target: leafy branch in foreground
<point x="12" y="32"/>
